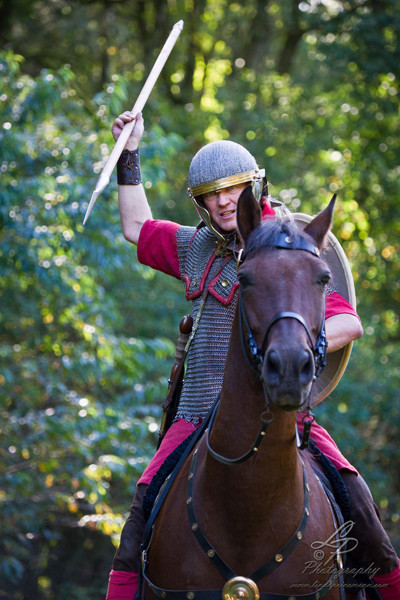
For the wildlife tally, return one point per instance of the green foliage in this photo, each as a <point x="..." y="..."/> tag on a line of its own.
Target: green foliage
<point x="81" y="384"/>
<point x="362" y="415"/>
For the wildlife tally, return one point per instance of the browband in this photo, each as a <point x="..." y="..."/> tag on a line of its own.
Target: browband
<point x="285" y="241"/>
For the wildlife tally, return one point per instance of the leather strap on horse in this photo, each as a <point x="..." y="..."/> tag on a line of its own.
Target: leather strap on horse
<point x="266" y="419"/>
<point x="147" y="534"/>
<point x="274" y="562"/>
<point x="216" y="594"/>
<point x="220" y="564"/>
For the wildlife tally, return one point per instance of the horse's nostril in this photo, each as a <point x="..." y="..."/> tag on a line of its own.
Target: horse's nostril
<point x="274" y="367"/>
<point x="305" y="367"/>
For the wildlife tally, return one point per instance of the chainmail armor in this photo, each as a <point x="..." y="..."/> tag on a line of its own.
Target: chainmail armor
<point x="208" y="350"/>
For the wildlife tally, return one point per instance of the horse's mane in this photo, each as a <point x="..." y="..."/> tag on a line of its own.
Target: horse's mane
<point x="267" y="234"/>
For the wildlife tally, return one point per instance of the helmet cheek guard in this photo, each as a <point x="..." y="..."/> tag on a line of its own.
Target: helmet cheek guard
<point x="257" y="186"/>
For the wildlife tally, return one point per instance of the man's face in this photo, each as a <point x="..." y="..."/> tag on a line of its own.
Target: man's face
<point x="222" y="207"/>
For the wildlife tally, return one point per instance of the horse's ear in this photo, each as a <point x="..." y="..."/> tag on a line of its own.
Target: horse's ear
<point x="248" y="213"/>
<point x="319" y="227"/>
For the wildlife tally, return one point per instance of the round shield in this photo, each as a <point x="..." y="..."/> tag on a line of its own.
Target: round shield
<point x="342" y="281"/>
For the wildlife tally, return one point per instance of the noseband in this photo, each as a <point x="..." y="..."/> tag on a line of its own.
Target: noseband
<point x="255" y="355"/>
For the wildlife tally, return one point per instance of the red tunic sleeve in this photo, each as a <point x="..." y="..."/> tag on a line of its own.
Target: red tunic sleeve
<point x="157" y="246"/>
<point x="267" y="210"/>
<point x="335" y="304"/>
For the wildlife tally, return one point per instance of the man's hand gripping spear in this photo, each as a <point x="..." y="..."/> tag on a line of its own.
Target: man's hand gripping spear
<point x="137" y="108"/>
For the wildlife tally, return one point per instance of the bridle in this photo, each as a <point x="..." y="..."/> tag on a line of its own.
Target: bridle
<point x="255" y="354"/>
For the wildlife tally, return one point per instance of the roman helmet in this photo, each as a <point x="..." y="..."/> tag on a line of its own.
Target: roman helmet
<point x="219" y="165"/>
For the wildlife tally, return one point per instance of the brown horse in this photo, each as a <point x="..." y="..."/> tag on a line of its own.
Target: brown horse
<point x="246" y="513"/>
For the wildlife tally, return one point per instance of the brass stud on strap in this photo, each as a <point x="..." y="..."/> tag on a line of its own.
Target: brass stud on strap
<point x="240" y="588"/>
<point x="278" y="558"/>
<point x="195" y="526"/>
<point x="210" y="553"/>
<point x="299" y="535"/>
<point x="188" y="500"/>
<point x="307" y="512"/>
<point x="190" y="595"/>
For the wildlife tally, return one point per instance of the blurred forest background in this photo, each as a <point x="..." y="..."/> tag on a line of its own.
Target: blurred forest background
<point x="311" y="88"/>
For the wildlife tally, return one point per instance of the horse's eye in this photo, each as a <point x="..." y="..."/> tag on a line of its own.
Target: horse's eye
<point x="244" y="280"/>
<point x="324" y="279"/>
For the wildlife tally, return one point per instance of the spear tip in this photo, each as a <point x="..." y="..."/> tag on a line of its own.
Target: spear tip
<point x="102" y="182"/>
<point x="91" y="204"/>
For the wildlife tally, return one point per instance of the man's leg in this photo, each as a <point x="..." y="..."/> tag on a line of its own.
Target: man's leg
<point x="123" y="581"/>
<point x="374" y="547"/>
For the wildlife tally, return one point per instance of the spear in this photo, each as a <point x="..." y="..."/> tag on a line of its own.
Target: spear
<point x="104" y="178"/>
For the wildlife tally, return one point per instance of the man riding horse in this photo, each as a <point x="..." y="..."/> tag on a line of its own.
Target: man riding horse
<point x="205" y="259"/>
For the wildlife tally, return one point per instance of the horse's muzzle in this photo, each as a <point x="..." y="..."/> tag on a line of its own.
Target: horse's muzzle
<point x="287" y="375"/>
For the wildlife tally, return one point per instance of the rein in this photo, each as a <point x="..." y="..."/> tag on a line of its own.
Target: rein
<point x="254" y="447"/>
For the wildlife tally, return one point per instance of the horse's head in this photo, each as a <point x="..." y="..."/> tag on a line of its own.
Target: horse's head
<point x="282" y="297"/>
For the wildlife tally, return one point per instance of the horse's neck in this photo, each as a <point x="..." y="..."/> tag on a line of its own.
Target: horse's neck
<point x="250" y="498"/>
<point x="238" y="421"/>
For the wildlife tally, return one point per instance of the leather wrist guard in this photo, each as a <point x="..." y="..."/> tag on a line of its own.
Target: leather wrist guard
<point x="128" y="168"/>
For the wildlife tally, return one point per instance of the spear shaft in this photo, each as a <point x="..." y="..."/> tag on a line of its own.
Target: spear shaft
<point x="104" y="178"/>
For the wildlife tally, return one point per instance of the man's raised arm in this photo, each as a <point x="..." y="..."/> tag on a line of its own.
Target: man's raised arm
<point x="133" y="206"/>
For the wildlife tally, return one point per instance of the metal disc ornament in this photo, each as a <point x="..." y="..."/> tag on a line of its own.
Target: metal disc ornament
<point x="240" y="588"/>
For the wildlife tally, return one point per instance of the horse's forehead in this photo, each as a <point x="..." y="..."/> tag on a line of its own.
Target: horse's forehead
<point x="268" y="260"/>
